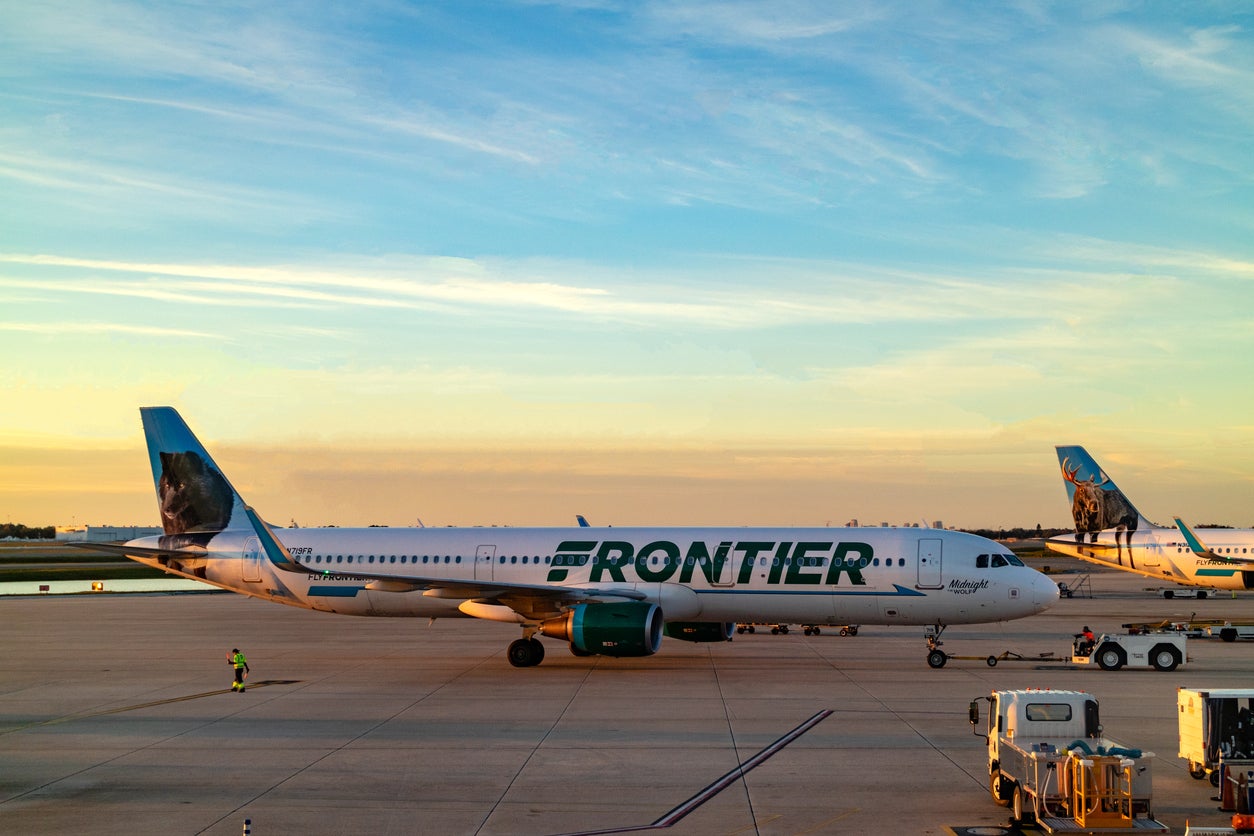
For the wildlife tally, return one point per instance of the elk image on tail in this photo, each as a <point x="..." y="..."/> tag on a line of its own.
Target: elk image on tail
<point x="1097" y="504"/>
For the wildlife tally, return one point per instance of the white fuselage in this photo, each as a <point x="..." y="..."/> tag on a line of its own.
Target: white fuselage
<point x="1162" y="553"/>
<point x="792" y="575"/>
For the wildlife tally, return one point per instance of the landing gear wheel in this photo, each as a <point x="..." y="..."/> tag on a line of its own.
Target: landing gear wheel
<point x="1110" y="657"/>
<point x="937" y="658"/>
<point x="525" y="653"/>
<point x="1165" y="658"/>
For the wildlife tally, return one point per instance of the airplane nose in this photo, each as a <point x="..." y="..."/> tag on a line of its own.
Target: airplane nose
<point x="1044" y="592"/>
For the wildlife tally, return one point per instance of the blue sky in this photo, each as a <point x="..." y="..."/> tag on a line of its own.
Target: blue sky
<point x="657" y="262"/>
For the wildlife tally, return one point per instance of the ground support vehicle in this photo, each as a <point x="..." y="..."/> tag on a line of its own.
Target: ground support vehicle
<point x="1048" y="761"/>
<point x="1112" y="651"/>
<point x="775" y="629"/>
<point x="1231" y="631"/>
<point x="816" y="629"/>
<point x="1198" y="628"/>
<point x="1216" y="725"/>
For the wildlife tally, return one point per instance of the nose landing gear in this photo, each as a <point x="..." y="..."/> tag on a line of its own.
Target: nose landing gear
<point x="936" y="658"/>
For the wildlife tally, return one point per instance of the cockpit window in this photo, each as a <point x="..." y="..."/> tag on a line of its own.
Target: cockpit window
<point x="999" y="560"/>
<point x="981" y="561"/>
<point x="1012" y="560"/>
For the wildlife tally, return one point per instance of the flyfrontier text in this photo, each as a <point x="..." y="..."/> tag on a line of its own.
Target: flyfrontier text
<point x="786" y="562"/>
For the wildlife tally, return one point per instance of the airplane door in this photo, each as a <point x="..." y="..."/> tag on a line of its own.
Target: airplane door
<point x="485" y="556"/>
<point x="930" y="563"/>
<point x="251" y="570"/>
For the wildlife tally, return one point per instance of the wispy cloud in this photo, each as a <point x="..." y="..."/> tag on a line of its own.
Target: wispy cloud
<point x="89" y="328"/>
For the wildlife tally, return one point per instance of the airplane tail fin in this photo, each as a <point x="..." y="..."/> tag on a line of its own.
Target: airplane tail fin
<point x="1097" y="504"/>
<point x="194" y="497"/>
<point x="196" y="500"/>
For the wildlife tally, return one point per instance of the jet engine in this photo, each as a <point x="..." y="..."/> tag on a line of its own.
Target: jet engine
<point x="632" y="628"/>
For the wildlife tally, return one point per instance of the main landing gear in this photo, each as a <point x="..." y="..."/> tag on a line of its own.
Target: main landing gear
<point x="936" y="657"/>
<point x="526" y="652"/>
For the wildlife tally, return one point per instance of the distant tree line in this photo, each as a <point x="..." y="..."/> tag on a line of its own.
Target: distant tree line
<point x="25" y="532"/>
<point x="1018" y="533"/>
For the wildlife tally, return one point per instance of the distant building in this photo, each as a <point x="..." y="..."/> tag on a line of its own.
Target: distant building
<point x="104" y="533"/>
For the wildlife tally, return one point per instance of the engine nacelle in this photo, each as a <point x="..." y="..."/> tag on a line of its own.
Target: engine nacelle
<point x="701" y="631"/>
<point x="632" y="628"/>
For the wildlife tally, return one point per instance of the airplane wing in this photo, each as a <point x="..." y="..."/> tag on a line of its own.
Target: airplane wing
<point x="1199" y="548"/>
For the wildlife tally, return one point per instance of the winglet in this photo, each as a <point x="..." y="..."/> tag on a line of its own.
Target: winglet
<point x="1195" y="545"/>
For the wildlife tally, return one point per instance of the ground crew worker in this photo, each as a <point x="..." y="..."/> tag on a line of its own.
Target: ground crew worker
<point x="1084" y="642"/>
<point x="237" y="659"/>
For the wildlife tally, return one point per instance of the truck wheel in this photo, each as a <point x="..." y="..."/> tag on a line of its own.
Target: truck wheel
<point x="992" y="661"/>
<point x="1110" y="657"/>
<point x="937" y="659"/>
<point x="1228" y="634"/>
<point x="1214" y="778"/>
<point x="1169" y="593"/>
<point x="1196" y="771"/>
<point x="1201" y="595"/>
<point x="1164" y="657"/>
<point x="999" y="787"/>
<point x="1020" y="804"/>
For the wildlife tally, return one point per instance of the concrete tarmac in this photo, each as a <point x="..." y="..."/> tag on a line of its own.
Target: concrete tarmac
<point x="116" y="717"/>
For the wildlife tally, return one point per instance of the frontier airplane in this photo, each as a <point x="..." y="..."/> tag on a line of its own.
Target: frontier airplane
<point x="1110" y="531"/>
<point x="605" y="591"/>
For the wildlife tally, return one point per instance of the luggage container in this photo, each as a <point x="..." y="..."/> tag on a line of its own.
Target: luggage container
<point x="1215" y="725"/>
